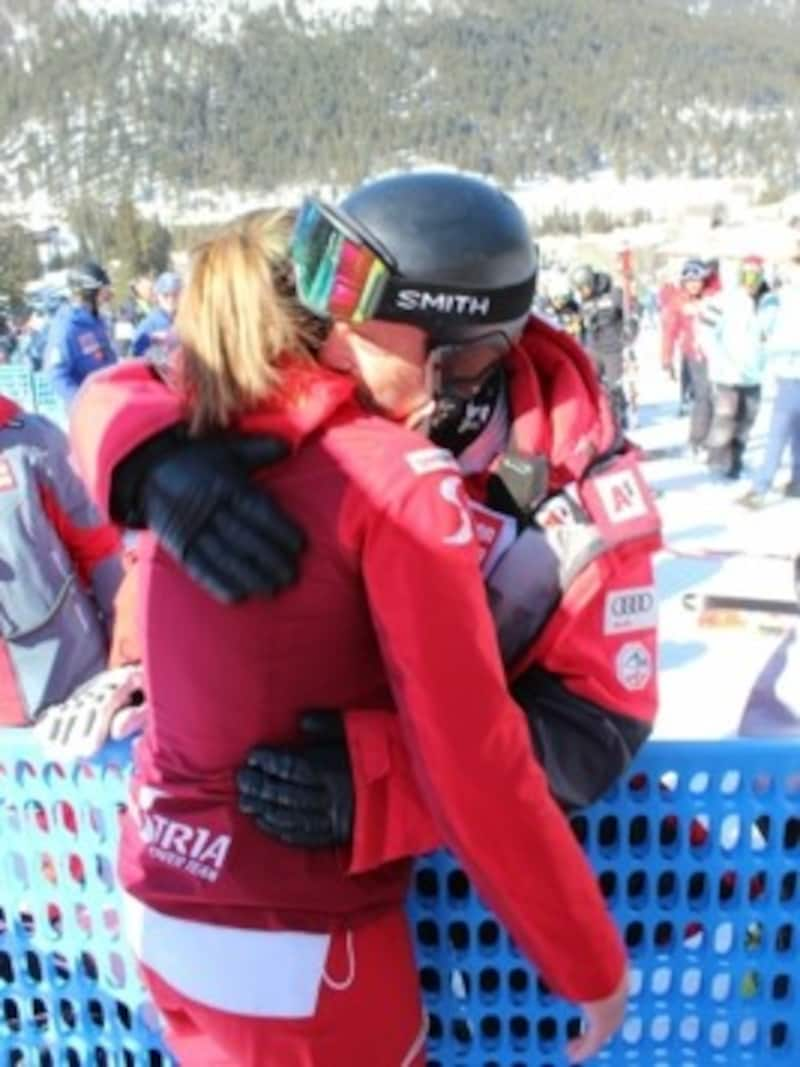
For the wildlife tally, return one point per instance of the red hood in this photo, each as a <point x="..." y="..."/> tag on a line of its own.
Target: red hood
<point x="8" y="410"/>
<point x="308" y="397"/>
<point x="557" y="404"/>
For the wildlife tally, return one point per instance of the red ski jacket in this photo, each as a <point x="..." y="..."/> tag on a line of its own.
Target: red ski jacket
<point x="679" y="317"/>
<point x="389" y="613"/>
<point x="587" y="674"/>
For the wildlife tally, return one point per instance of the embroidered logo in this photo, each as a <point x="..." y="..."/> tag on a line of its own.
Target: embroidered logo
<point x="634" y="666"/>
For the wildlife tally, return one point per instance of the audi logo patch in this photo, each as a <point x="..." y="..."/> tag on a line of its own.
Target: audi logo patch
<point x="627" y="610"/>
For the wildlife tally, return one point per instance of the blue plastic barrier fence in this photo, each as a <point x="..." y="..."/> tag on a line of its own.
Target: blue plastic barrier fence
<point x="16" y="382"/>
<point x="46" y="400"/>
<point x="32" y="391"/>
<point x="696" y="852"/>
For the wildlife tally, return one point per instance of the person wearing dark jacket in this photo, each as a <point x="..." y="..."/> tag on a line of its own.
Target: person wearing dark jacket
<point x="561" y="308"/>
<point x="608" y="330"/>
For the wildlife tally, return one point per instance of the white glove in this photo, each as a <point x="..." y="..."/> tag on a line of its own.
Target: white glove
<point x="110" y="706"/>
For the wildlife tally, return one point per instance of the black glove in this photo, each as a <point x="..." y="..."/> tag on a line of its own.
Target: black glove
<point x="197" y="498"/>
<point x="302" y="796"/>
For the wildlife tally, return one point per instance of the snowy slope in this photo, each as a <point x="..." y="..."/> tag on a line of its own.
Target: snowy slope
<point x="707" y="676"/>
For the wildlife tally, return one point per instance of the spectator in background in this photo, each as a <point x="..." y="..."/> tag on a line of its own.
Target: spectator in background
<point x="732" y="331"/>
<point x="8" y="337"/>
<point x="78" y="342"/>
<point x="140" y="300"/>
<point x="607" y="331"/>
<point x="60" y="575"/>
<point x="782" y="349"/>
<point x="155" y="328"/>
<point x="678" y="333"/>
<point x="561" y="308"/>
<point x="32" y="340"/>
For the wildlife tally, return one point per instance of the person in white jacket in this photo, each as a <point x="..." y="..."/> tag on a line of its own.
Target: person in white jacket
<point x="782" y="351"/>
<point x="733" y="329"/>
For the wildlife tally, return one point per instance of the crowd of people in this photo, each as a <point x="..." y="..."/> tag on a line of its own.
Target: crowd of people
<point x="720" y="344"/>
<point x="723" y="343"/>
<point x="68" y="332"/>
<point x="343" y="465"/>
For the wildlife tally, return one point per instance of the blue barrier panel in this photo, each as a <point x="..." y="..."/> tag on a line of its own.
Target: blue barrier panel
<point x="696" y="851"/>
<point x="47" y="401"/>
<point x="69" y="990"/>
<point x="16" y="382"/>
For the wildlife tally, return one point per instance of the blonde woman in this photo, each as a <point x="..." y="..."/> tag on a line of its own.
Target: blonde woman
<point x="255" y="952"/>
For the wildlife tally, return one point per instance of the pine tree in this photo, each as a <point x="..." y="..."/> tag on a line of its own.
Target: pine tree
<point x="19" y="260"/>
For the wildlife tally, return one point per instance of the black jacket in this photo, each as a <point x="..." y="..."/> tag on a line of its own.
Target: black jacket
<point x="608" y="330"/>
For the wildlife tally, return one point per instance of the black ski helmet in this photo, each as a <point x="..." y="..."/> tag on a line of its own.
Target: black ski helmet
<point x="583" y="276"/>
<point x="89" y="277"/>
<point x="465" y="259"/>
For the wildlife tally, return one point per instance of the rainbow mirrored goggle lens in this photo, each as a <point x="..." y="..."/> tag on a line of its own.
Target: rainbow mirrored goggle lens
<point x="337" y="274"/>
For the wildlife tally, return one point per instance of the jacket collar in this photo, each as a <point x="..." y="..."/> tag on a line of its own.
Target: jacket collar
<point x="309" y="396"/>
<point x="556" y="402"/>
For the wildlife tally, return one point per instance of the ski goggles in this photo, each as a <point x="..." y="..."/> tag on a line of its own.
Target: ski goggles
<point x="751" y="274"/>
<point x="694" y="272"/>
<point x="343" y="272"/>
<point x="338" y="273"/>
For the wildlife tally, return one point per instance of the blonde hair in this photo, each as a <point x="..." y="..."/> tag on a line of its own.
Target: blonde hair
<point x="238" y="318"/>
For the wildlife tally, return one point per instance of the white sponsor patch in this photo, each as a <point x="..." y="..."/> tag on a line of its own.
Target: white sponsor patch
<point x="621" y="496"/>
<point x="630" y="609"/>
<point x="197" y="850"/>
<point x="634" y="666"/>
<point x="427" y="460"/>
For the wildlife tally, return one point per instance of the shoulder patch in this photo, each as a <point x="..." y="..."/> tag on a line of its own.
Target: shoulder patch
<point x="634" y="666"/>
<point x="429" y="460"/>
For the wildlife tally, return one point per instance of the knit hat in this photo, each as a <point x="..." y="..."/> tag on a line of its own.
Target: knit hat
<point x="168" y="284"/>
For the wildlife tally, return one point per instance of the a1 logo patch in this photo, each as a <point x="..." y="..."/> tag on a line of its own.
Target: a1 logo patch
<point x="620" y="502"/>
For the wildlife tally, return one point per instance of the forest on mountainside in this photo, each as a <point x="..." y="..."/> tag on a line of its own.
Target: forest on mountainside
<point x="124" y="105"/>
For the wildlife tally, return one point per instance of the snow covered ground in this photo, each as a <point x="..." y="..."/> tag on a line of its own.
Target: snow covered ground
<point x="709" y="676"/>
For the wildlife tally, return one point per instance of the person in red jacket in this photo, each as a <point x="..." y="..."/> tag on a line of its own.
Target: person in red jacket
<point x="256" y="951"/>
<point x="568" y="567"/>
<point x="579" y="631"/>
<point x="699" y="279"/>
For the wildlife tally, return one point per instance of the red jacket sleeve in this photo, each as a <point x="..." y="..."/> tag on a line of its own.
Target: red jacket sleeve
<point x="115" y="411"/>
<point x="602" y="639"/>
<point x="92" y="545"/>
<point x="670" y="329"/>
<point x="469" y="744"/>
<point x="392" y="820"/>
